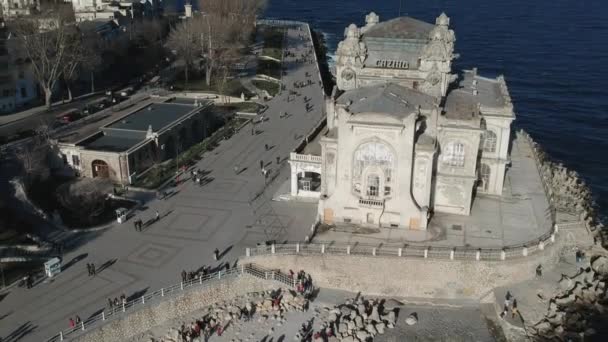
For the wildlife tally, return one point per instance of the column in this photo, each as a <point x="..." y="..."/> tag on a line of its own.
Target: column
<point x="294" y="180"/>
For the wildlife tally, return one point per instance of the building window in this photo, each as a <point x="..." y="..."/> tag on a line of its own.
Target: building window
<point x="484" y="177"/>
<point x="75" y="160"/>
<point x="454" y="154"/>
<point x="373" y="184"/>
<point x="488" y="141"/>
<point x="23" y="92"/>
<point x="387" y="190"/>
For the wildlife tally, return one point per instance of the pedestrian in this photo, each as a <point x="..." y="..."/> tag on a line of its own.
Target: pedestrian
<point x="278" y="160"/>
<point x="72" y="323"/>
<point x="157" y="216"/>
<point x="261" y="164"/>
<point x="507" y="303"/>
<point x="135" y="225"/>
<point x="539" y="271"/>
<point x="110" y="303"/>
<point x="514" y="310"/>
<point x="578" y="256"/>
<point x="78" y="320"/>
<point x="252" y="131"/>
<point x="505" y="310"/>
<point x="216" y="254"/>
<point x="508" y="296"/>
<point x="184" y="275"/>
<point x="236" y="169"/>
<point x="89" y="268"/>
<point x="266" y="147"/>
<point x="93" y="269"/>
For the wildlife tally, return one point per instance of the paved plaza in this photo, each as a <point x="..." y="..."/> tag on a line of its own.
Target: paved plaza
<point x="194" y="221"/>
<point x="519" y="216"/>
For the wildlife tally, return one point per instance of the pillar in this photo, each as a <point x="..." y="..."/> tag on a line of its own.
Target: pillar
<point x="452" y="254"/>
<point x="524" y="251"/>
<point x="477" y="255"/>
<point x="541" y="245"/>
<point x="294" y="180"/>
<point x="503" y="255"/>
<point x="400" y="252"/>
<point x="322" y="249"/>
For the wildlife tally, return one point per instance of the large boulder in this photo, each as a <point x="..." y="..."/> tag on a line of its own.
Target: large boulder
<point x="411" y="319"/>
<point x="600" y="265"/>
<point x="380" y="328"/>
<point x="375" y="316"/>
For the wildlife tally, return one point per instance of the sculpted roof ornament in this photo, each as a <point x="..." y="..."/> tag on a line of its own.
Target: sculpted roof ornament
<point x="351" y="51"/>
<point x="442" y="20"/>
<point x="371" y="19"/>
<point x="352" y="32"/>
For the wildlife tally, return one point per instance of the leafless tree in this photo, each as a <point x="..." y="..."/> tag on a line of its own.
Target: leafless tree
<point x="45" y="42"/>
<point x="225" y="27"/>
<point x="83" y="55"/>
<point x="84" y="198"/>
<point x="183" y="42"/>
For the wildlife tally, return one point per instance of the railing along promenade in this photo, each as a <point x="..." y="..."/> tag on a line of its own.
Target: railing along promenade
<point x="201" y="282"/>
<point x="408" y="250"/>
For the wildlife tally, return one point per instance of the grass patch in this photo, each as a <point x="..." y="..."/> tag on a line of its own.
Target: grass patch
<point x="161" y="173"/>
<point x="269" y="68"/>
<point x="248" y="107"/>
<point x="271" y="87"/>
<point x="273" y="41"/>
<point x="232" y="87"/>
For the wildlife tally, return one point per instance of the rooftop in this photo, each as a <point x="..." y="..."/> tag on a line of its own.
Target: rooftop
<point x="157" y="115"/>
<point x="461" y="104"/>
<point x="391" y="99"/>
<point x="400" y="28"/>
<point x="114" y="142"/>
<point x="488" y="89"/>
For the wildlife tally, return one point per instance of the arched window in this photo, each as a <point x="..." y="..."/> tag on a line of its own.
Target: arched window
<point x="454" y="154"/>
<point x="376" y="154"/>
<point x="488" y="141"/>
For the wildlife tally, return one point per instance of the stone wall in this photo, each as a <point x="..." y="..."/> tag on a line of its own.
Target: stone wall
<point x="408" y="277"/>
<point x="140" y="321"/>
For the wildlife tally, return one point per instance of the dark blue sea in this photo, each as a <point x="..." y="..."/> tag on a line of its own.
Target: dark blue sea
<point x="554" y="54"/>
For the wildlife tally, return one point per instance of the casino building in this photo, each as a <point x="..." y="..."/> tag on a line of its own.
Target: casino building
<point x="405" y="135"/>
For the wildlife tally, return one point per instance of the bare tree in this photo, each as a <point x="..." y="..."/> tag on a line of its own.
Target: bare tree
<point x="224" y="29"/>
<point x="85" y="198"/>
<point x="183" y="41"/>
<point x="45" y="43"/>
<point x="83" y="55"/>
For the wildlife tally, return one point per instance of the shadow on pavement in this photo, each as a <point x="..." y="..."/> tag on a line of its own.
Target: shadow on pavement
<point x="74" y="261"/>
<point x="137" y="294"/>
<point x="106" y="265"/>
<point x="20" y="332"/>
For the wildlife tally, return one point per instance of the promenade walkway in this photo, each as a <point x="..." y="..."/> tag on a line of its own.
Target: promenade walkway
<point x="194" y="221"/>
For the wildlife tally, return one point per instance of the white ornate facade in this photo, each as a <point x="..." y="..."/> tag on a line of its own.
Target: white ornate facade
<point x="405" y="135"/>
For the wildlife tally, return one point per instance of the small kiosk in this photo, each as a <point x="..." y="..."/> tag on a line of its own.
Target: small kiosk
<point x="121" y="215"/>
<point x="52" y="267"/>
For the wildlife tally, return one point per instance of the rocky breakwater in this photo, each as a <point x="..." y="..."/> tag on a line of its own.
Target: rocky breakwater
<point x="567" y="192"/>
<point x="574" y="312"/>
<point x="267" y="308"/>
<point x="357" y="320"/>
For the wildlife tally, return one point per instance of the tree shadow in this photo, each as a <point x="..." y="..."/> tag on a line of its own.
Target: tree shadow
<point x="20" y="332"/>
<point x="73" y="261"/>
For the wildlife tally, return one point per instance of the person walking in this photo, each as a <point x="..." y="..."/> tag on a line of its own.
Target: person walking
<point x="135" y="225"/>
<point x="216" y="254"/>
<point x="72" y="323"/>
<point x="157" y="216"/>
<point x="278" y="160"/>
<point x="89" y="268"/>
<point x="92" y="269"/>
<point x="539" y="271"/>
<point x="184" y="275"/>
<point x="110" y="304"/>
<point x="266" y="147"/>
<point x="261" y="164"/>
<point x="514" y="310"/>
<point x="78" y="320"/>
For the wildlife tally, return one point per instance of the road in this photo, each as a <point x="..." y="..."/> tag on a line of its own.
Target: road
<point x="194" y="221"/>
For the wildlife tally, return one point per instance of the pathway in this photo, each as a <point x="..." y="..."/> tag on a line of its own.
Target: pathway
<point x="194" y="221"/>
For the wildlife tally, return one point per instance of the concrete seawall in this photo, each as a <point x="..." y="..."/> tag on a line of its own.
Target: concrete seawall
<point x="422" y="278"/>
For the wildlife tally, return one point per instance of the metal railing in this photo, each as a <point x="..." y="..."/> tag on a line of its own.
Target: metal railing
<point x="304" y="157"/>
<point x="408" y="250"/>
<point x="201" y="282"/>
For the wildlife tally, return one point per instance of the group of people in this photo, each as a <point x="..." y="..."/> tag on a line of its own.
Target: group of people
<point x="304" y="284"/>
<point x="205" y="328"/>
<point x="91" y="269"/>
<point x="139" y="224"/>
<point x="187" y="276"/>
<point x="510" y="304"/>
<point x="117" y="302"/>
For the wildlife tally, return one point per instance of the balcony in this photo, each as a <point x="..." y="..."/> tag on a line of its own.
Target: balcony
<point x="368" y="202"/>
<point x="305" y="158"/>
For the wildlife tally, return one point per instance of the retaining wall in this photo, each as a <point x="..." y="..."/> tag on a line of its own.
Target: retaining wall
<point x="411" y="277"/>
<point x="138" y="322"/>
